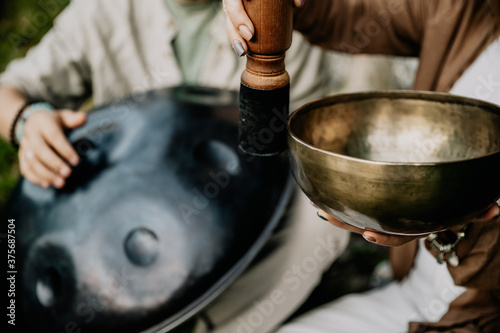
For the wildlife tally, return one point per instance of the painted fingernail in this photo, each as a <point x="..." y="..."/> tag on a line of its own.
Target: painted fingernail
<point x="313" y="204"/>
<point x="369" y="238"/>
<point x="245" y="32"/>
<point x="238" y="48"/>
<point x="65" y="171"/>
<point x="321" y="216"/>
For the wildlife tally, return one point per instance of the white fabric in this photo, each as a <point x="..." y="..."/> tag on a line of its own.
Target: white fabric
<point x="482" y="79"/>
<point x="425" y="295"/>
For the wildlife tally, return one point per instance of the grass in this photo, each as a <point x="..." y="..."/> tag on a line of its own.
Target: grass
<point x="23" y="23"/>
<point x="8" y="171"/>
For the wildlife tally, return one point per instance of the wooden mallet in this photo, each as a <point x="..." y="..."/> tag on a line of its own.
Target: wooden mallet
<point x="265" y="84"/>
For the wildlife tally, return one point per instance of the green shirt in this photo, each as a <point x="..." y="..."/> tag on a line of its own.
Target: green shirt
<point x="193" y="21"/>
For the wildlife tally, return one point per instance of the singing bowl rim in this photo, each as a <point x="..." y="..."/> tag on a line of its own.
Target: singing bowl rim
<point x="395" y="95"/>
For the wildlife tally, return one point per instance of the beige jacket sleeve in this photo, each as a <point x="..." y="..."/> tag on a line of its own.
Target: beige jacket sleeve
<point x="56" y="69"/>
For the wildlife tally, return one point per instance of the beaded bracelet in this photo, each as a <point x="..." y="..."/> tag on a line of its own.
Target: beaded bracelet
<point x="32" y="108"/>
<point x="13" y="141"/>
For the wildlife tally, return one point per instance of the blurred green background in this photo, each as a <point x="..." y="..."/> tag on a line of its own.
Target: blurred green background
<point x="22" y="24"/>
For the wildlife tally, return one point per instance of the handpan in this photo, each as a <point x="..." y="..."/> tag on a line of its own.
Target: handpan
<point x="160" y="216"/>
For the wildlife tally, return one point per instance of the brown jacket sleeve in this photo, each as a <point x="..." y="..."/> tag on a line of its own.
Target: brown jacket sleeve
<point x="362" y="26"/>
<point x="447" y="35"/>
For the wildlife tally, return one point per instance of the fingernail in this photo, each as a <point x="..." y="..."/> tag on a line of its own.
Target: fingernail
<point x="313" y="204"/>
<point x="369" y="238"/>
<point x="65" y="171"/>
<point x="74" y="160"/>
<point x="238" y="48"/>
<point x="245" y="32"/>
<point x="45" y="185"/>
<point x="321" y="217"/>
<point x="58" y="182"/>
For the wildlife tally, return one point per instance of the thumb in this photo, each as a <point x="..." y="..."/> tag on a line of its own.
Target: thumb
<point x="71" y="119"/>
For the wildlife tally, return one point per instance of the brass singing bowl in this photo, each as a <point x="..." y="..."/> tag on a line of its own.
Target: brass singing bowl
<point x="402" y="162"/>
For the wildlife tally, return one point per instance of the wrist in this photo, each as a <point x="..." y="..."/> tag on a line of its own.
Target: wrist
<point x="12" y="130"/>
<point x="24" y="113"/>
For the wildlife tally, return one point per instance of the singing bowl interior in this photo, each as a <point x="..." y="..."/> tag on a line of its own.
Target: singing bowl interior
<point x="398" y="162"/>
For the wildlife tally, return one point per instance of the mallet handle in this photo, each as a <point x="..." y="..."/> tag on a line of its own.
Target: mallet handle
<point x="264" y="93"/>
